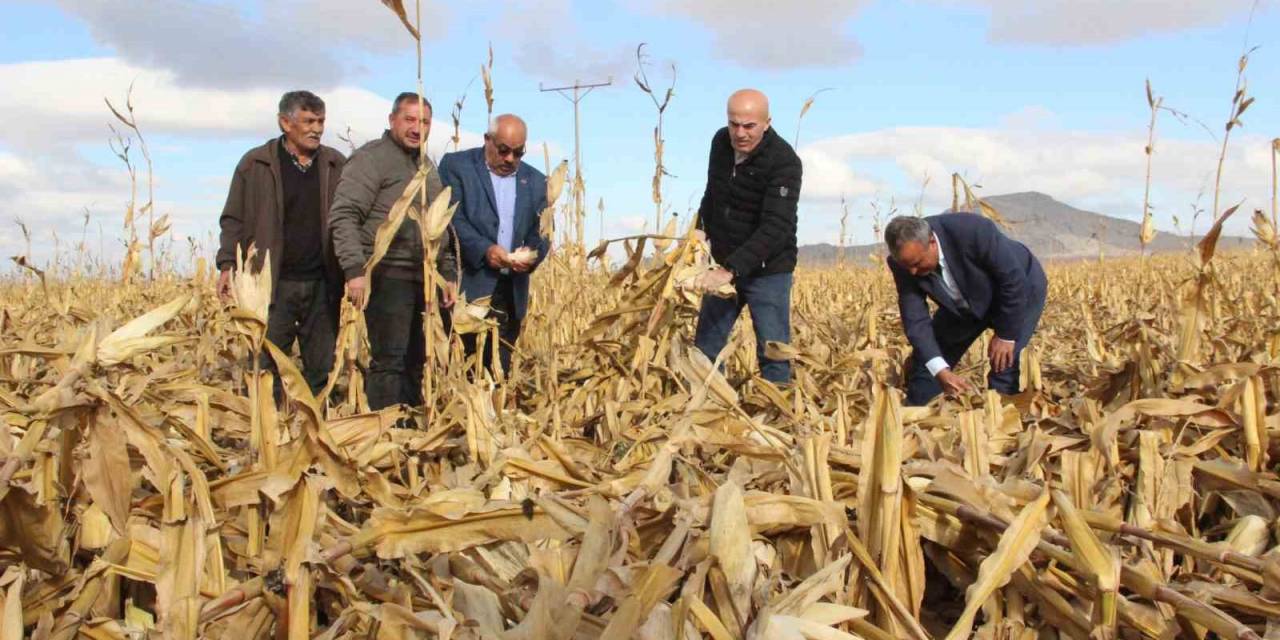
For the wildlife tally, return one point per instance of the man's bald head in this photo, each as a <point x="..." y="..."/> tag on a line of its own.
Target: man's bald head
<point x="504" y="144"/>
<point x="750" y="101"/>
<point x="748" y="119"/>
<point x="508" y="124"/>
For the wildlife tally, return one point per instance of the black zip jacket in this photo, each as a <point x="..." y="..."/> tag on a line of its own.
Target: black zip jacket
<point x="748" y="211"/>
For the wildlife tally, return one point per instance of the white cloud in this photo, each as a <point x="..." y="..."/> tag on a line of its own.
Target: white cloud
<point x="1103" y="171"/>
<point x="1076" y="22"/>
<point x="53" y="198"/>
<point x="66" y="97"/>
<point x="767" y="34"/>
<point x="47" y="180"/>
<point x="631" y="224"/>
<point x="297" y="43"/>
<point x="829" y="176"/>
<point x="546" y="40"/>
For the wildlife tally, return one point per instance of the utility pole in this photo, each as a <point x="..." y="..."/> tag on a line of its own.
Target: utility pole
<point x="579" y="91"/>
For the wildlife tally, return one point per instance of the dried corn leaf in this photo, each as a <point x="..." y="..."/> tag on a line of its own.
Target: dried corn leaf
<point x="1015" y="546"/>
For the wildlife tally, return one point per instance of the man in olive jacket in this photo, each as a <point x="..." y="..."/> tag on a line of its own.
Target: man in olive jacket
<point x="748" y="213"/>
<point x="281" y="190"/>
<point x="374" y="178"/>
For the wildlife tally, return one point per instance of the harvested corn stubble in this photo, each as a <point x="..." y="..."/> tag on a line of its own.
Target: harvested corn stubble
<point x="620" y="486"/>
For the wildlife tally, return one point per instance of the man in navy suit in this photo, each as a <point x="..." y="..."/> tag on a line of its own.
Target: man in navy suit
<point x="499" y="202"/>
<point x="980" y="279"/>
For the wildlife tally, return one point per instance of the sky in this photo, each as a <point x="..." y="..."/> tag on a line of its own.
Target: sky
<point x="1014" y="95"/>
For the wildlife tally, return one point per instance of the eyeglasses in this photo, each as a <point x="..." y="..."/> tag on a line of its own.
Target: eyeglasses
<point x="504" y="150"/>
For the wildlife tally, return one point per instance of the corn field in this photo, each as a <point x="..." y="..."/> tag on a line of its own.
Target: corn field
<point x="618" y="486"/>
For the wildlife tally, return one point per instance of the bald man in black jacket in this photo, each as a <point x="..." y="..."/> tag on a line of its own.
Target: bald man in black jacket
<point x="748" y="213"/>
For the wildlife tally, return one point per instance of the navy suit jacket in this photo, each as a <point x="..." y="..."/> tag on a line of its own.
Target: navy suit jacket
<point x="476" y="221"/>
<point x="997" y="276"/>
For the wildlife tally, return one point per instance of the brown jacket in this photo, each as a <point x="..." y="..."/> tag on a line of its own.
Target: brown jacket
<point x="254" y="213"/>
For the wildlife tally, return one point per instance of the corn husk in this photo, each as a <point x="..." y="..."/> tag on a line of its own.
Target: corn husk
<point x="621" y="483"/>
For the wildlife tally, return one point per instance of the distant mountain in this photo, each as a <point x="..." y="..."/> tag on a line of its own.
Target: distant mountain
<point x="1051" y="229"/>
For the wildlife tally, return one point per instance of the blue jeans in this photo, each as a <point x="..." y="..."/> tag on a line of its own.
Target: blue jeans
<point x="955" y="333"/>
<point x="768" y="298"/>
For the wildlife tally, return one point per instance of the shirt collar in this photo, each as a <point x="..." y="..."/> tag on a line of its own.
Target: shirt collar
<point x="495" y="176"/>
<point x="284" y="150"/>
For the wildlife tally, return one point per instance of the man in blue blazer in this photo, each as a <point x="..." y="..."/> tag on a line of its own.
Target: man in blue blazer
<point x="500" y="200"/>
<point x="979" y="279"/>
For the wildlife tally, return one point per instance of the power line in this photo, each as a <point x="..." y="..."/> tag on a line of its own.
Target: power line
<point x="575" y="93"/>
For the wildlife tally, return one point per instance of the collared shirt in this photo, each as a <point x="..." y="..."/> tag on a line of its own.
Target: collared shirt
<point x="948" y="280"/>
<point x="504" y="192"/>
<point x="296" y="162"/>
<point x="938" y="363"/>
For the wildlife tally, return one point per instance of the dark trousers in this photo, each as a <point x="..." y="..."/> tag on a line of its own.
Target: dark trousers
<point x="502" y="308"/>
<point x="396" y="343"/>
<point x="768" y="298"/>
<point x="302" y="310"/>
<point x="955" y="333"/>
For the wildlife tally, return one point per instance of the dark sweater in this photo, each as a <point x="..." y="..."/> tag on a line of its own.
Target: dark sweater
<point x="302" y="258"/>
<point x="748" y="210"/>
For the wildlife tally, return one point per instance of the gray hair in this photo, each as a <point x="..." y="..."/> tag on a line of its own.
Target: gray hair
<point x="904" y="229"/>
<point x="493" y="124"/>
<point x="292" y="101"/>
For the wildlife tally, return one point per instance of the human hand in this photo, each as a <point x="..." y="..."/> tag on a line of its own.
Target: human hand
<point x="497" y="258"/>
<point x="522" y="259"/>
<point x="358" y="291"/>
<point x="450" y="295"/>
<point x="714" y="279"/>
<point x="1001" y="354"/>
<point x="953" y="384"/>
<point x="224" y="285"/>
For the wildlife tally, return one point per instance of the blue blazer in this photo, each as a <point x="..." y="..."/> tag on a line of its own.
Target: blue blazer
<point x="997" y="276"/>
<point x="476" y="221"/>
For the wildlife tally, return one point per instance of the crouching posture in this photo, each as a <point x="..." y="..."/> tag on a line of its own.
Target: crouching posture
<point x="980" y="279"/>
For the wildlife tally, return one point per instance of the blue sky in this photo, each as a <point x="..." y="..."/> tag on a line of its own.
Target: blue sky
<point x="1014" y="95"/>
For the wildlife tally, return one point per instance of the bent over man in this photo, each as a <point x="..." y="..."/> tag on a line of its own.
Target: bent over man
<point x="980" y="279"/>
<point x="748" y="213"/>
<point x="279" y="201"/>
<point x="375" y="177"/>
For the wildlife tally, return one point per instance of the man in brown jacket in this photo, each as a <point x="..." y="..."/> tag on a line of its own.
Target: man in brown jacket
<point x="279" y="201"/>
